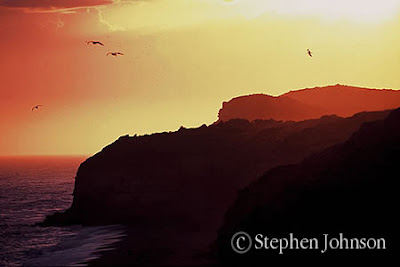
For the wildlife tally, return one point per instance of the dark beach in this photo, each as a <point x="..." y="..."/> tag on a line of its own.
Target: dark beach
<point x="138" y="248"/>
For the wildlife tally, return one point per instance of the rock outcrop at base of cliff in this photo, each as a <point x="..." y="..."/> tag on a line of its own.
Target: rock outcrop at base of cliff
<point x="348" y="189"/>
<point x="305" y="104"/>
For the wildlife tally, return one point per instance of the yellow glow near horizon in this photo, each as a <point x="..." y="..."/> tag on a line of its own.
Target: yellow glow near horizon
<point x="183" y="58"/>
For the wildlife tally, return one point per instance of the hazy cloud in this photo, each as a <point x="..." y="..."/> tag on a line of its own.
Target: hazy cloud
<point x="52" y="5"/>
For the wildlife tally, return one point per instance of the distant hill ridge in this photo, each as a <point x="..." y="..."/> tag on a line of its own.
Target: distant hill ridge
<point x="310" y="103"/>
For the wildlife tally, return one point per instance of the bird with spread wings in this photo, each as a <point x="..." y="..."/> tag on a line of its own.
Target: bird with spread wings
<point x="95" y="43"/>
<point x="36" y="107"/>
<point x="115" y="54"/>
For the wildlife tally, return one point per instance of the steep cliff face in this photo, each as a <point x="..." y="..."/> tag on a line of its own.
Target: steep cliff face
<point x="192" y="175"/>
<point x="349" y="188"/>
<point x="176" y="187"/>
<point x="311" y="103"/>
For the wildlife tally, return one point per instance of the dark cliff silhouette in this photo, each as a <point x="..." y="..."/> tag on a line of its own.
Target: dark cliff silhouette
<point x="349" y="188"/>
<point x="181" y="183"/>
<point x="311" y="103"/>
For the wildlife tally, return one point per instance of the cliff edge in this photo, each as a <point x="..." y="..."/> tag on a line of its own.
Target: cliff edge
<point x="182" y="183"/>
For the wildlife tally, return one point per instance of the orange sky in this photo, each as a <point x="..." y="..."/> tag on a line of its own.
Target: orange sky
<point x="182" y="59"/>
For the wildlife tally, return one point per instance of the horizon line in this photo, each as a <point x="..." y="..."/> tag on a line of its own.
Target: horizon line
<point x="45" y="155"/>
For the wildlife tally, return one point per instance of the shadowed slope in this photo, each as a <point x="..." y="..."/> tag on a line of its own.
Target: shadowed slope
<point x="349" y="188"/>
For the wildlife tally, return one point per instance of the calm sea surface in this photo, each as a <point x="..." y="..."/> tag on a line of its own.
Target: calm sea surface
<point x="30" y="189"/>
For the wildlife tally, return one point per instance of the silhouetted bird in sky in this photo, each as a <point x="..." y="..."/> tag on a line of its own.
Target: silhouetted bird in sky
<point x="36" y="107"/>
<point x="309" y="52"/>
<point x="95" y="43"/>
<point x="115" y="53"/>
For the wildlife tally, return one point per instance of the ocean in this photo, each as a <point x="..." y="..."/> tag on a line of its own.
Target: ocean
<point x="30" y="189"/>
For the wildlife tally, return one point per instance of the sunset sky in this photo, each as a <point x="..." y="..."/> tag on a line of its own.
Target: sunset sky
<point x="183" y="58"/>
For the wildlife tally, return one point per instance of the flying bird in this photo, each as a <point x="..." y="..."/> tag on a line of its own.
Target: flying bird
<point x="95" y="43"/>
<point x="309" y="52"/>
<point x="115" y="53"/>
<point x="36" y="107"/>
